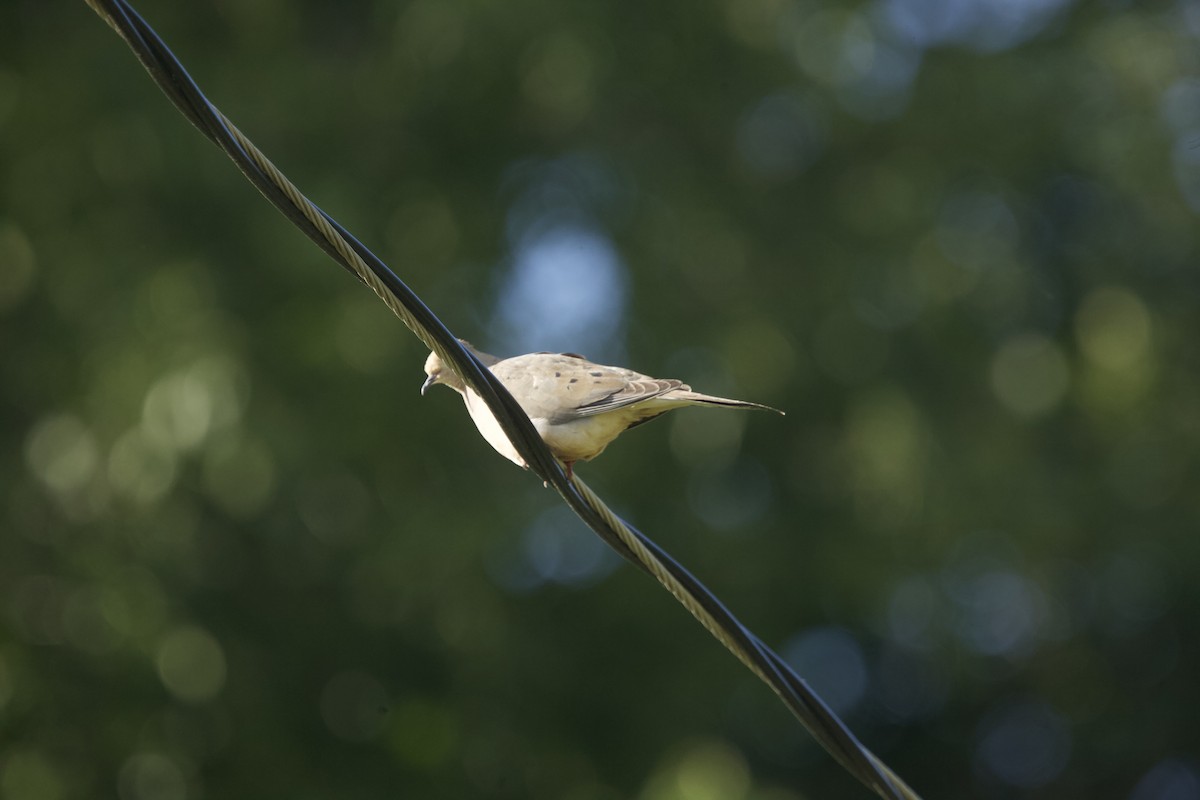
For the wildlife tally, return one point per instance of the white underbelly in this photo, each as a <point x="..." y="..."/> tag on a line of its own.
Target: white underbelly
<point x="490" y="429"/>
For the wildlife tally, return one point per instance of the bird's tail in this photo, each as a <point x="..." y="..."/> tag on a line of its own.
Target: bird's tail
<point x="695" y="398"/>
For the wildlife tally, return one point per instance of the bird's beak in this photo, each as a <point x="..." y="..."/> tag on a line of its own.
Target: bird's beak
<point x="425" y="386"/>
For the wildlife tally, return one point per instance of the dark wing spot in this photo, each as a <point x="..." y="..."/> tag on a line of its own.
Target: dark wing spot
<point x="574" y="380"/>
<point x="558" y="374"/>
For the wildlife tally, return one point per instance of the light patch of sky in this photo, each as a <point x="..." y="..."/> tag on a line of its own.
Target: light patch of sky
<point x="556" y="549"/>
<point x="857" y="56"/>
<point x="1186" y="161"/>
<point x="1169" y="779"/>
<point x="730" y="498"/>
<point x="565" y="287"/>
<point x="831" y="659"/>
<point x="1190" y="12"/>
<point x="1025" y="745"/>
<point x="869" y="58"/>
<point x="999" y="613"/>
<point x="1179" y="112"/>
<point x="780" y="136"/>
<point x="565" y="291"/>
<point x="985" y="25"/>
<point x="878" y="90"/>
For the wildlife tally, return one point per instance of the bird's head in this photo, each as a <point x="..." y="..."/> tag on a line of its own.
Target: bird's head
<point x="439" y="372"/>
<point x="436" y="373"/>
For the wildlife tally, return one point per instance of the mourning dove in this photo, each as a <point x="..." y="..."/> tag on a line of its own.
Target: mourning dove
<point x="577" y="407"/>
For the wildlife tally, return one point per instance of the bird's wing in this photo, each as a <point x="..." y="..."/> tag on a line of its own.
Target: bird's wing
<point x="623" y="388"/>
<point x="559" y="387"/>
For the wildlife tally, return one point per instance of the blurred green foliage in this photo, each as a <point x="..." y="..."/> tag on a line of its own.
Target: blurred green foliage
<point x="241" y="557"/>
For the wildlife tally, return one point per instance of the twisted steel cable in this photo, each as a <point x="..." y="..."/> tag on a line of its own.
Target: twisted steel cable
<point x="630" y="543"/>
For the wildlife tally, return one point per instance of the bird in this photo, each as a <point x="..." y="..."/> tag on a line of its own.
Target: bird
<point x="578" y="407"/>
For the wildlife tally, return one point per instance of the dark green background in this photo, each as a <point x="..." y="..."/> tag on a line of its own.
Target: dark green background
<point x="241" y="557"/>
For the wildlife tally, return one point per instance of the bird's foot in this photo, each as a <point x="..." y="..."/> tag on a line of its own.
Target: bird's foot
<point x="569" y="468"/>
